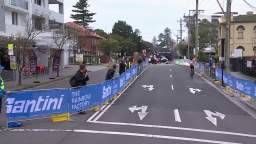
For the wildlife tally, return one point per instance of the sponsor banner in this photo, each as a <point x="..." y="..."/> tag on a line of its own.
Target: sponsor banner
<point x="245" y="86"/>
<point x="30" y="104"/>
<point x="43" y="103"/>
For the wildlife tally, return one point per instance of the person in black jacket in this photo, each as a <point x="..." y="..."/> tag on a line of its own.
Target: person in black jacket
<point x="122" y="67"/>
<point x="80" y="78"/>
<point x="111" y="73"/>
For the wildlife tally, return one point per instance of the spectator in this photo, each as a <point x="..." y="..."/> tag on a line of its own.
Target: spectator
<point x="122" y="67"/>
<point x="111" y="73"/>
<point x="2" y="88"/>
<point x="80" y="78"/>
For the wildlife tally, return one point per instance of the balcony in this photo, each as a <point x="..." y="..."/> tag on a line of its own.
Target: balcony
<point x="17" y="5"/>
<point x="47" y="13"/>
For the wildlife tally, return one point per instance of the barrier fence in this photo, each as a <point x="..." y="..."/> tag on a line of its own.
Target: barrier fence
<point x="44" y="103"/>
<point x="247" y="87"/>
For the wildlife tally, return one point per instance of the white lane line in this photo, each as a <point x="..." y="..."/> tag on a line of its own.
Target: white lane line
<point x="177" y="115"/>
<point x="126" y="134"/>
<point x="172" y="87"/>
<point x="171" y="76"/>
<point x="96" y="113"/>
<point x="176" y="128"/>
<point x="102" y="112"/>
<point x="170" y="70"/>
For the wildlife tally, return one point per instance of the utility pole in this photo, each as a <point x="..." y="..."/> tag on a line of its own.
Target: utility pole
<point x="196" y="30"/>
<point x="227" y="36"/>
<point x="180" y="30"/>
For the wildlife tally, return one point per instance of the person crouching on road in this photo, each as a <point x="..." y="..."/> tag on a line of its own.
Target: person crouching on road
<point x="111" y="73"/>
<point x="80" y="78"/>
<point x="122" y="67"/>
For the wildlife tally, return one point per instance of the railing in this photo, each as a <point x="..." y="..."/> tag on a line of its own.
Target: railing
<point x="18" y="3"/>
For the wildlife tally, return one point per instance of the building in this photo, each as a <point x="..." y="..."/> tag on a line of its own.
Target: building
<point x="44" y="15"/>
<point x="242" y="35"/>
<point x="88" y="44"/>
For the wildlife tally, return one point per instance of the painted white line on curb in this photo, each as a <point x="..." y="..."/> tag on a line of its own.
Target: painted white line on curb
<point x="177" y="115"/>
<point x="126" y="134"/>
<point x="102" y="112"/>
<point x="176" y="128"/>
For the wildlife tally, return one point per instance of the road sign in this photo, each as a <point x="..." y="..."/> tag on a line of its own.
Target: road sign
<point x="194" y="91"/>
<point x="13" y="64"/>
<point x="148" y="87"/>
<point x="142" y="111"/>
<point x="211" y="116"/>
<point x="10" y="49"/>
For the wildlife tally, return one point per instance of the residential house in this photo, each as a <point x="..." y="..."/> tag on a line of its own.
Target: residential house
<point x="88" y="44"/>
<point x="242" y="35"/>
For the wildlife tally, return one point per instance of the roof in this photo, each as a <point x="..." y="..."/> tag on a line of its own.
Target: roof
<point x="245" y="18"/>
<point x="83" y="31"/>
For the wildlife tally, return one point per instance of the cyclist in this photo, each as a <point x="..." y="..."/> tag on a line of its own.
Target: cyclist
<point x="192" y="70"/>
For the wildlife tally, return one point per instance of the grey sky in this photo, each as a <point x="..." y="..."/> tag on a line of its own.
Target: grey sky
<point x="150" y="16"/>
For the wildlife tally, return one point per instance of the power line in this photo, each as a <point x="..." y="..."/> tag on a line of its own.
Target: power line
<point x="249" y="4"/>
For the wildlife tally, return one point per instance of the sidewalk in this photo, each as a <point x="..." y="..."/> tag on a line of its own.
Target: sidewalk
<point x="31" y="82"/>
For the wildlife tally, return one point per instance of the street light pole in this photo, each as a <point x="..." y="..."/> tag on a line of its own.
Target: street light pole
<point x="227" y="36"/>
<point x="196" y="30"/>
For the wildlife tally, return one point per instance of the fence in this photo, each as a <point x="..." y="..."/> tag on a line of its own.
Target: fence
<point x="247" y="87"/>
<point x="44" y="103"/>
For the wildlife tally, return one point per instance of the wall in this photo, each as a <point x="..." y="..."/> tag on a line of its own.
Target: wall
<point x="2" y="17"/>
<point x="249" y="40"/>
<point x="15" y="29"/>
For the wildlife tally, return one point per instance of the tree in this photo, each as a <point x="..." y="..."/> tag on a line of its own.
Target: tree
<point x="102" y="33"/>
<point x="82" y="15"/>
<point x="23" y="42"/>
<point x="182" y="48"/>
<point x="165" y="40"/>
<point x="123" y="29"/>
<point x="60" y="37"/>
<point x="109" y="45"/>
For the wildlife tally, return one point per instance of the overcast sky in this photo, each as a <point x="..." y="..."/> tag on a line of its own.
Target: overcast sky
<point x="150" y="16"/>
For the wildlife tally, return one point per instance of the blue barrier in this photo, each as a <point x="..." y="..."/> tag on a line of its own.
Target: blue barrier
<point x="245" y="86"/>
<point x="43" y="103"/>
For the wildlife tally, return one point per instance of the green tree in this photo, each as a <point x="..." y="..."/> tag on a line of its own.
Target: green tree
<point x="82" y="15"/>
<point x="121" y="28"/>
<point x="102" y="33"/>
<point x="109" y="45"/>
<point x="165" y="39"/>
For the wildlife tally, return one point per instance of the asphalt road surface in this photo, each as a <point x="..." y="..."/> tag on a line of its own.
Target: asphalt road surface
<point x="163" y="106"/>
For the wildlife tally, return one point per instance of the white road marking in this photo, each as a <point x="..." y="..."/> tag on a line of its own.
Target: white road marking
<point x="148" y="87"/>
<point x="96" y="113"/>
<point x="102" y="112"/>
<point x="176" y="128"/>
<point x="171" y="76"/>
<point x="212" y="119"/>
<point x="177" y="115"/>
<point x="126" y="134"/>
<point x="170" y="70"/>
<point x="193" y="91"/>
<point x="172" y="87"/>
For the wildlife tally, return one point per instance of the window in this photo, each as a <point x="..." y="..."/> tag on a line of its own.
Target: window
<point x="38" y="2"/>
<point x="240" y="29"/>
<point x="14" y="18"/>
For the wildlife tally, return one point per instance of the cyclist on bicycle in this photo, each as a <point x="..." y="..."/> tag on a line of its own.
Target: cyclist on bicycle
<point x="192" y="70"/>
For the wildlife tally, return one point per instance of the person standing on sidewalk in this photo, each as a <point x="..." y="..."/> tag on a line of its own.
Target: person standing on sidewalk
<point x="80" y="78"/>
<point x="122" y="67"/>
<point x="111" y="73"/>
<point x="2" y="90"/>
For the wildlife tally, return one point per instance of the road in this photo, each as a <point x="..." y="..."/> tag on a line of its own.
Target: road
<point x="163" y="106"/>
